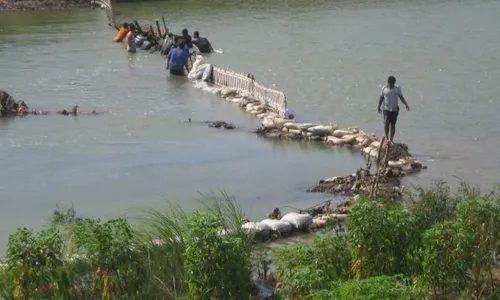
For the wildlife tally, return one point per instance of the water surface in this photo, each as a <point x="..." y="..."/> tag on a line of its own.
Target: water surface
<point x="329" y="57"/>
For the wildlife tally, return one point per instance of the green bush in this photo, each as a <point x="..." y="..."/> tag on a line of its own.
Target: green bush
<point x="385" y="239"/>
<point x="314" y="266"/>
<point x="217" y="261"/>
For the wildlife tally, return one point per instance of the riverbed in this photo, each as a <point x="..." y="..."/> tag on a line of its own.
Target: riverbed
<point x="330" y="58"/>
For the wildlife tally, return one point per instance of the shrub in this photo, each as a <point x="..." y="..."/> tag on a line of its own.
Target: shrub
<point x="217" y="261"/>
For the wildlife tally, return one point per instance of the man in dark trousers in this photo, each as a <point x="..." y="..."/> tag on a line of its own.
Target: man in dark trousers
<point x="389" y="98"/>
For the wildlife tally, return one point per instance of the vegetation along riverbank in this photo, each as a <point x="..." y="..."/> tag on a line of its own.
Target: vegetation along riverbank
<point x="436" y="244"/>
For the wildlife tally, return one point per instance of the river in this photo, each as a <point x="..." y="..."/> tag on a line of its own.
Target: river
<point x="329" y="57"/>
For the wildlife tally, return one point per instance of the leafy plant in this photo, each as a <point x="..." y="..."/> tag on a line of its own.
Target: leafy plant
<point x="447" y="258"/>
<point x="35" y="265"/>
<point x="217" y="261"/>
<point x="311" y="267"/>
<point x="108" y="250"/>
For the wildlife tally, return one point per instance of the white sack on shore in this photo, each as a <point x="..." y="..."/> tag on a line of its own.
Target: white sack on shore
<point x="295" y="131"/>
<point x="322" y="129"/>
<point x="341" y="132"/>
<point x="298" y="221"/>
<point x="335" y="141"/>
<point x="278" y="225"/>
<point x="257" y="228"/>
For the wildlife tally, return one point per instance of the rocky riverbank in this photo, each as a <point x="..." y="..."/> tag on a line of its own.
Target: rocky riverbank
<point x="33" y="5"/>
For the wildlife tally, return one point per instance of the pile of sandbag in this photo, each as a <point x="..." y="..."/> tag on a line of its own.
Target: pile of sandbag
<point x="257" y="229"/>
<point x="298" y="221"/>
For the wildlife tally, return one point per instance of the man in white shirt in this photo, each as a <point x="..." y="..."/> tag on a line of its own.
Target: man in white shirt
<point x="389" y="98"/>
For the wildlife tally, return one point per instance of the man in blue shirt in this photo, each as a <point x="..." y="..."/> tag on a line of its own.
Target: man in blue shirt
<point x="177" y="60"/>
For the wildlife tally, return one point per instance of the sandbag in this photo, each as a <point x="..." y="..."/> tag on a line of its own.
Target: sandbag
<point x="295" y="131"/>
<point x="193" y="74"/>
<point x="262" y="115"/>
<point x="298" y="221"/>
<point x="306" y="126"/>
<point x="278" y="225"/>
<point x="234" y="99"/>
<point x="321" y="129"/>
<point x="349" y="138"/>
<point x="292" y="125"/>
<point x="335" y="141"/>
<point x="341" y="132"/>
<point x="229" y="92"/>
<point x="367" y="150"/>
<point x="207" y="73"/>
<point x="374" y="153"/>
<point x="257" y="229"/>
<point x="279" y="122"/>
<point x="353" y="130"/>
<point x="375" y="144"/>
<point x="268" y="123"/>
<point x="396" y="163"/>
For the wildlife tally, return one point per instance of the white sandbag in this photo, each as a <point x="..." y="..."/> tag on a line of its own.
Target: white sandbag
<point x="284" y="129"/>
<point x="349" y="138"/>
<point x="279" y="122"/>
<point x="341" y="132"/>
<point x="366" y="143"/>
<point x="194" y="70"/>
<point x="316" y="138"/>
<point x="367" y="150"/>
<point x="298" y="221"/>
<point x="295" y="131"/>
<point x="278" y="225"/>
<point x="395" y="164"/>
<point x="216" y="91"/>
<point x="335" y="141"/>
<point x="353" y="130"/>
<point x="234" y="99"/>
<point x="229" y="92"/>
<point x="374" y="153"/>
<point x="305" y="126"/>
<point x="257" y="111"/>
<point x="321" y="129"/>
<point x="262" y="115"/>
<point x="256" y="228"/>
<point x="251" y="107"/>
<point x="292" y="125"/>
<point x="207" y="73"/>
<point x="268" y="123"/>
<point x="375" y="144"/>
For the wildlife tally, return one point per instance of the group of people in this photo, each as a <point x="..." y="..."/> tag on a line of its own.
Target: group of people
<point x="177" y="48"/>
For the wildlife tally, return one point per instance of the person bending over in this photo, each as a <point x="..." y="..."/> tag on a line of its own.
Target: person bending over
<point x="389" y="98"/>
<point x="177" y="60"/>
<point x="202" y="43"/>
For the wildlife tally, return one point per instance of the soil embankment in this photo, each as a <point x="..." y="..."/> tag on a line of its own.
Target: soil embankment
<point x="31" y="5"/>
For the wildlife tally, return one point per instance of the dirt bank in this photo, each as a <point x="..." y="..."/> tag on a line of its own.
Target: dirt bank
<point x="31" y="5"/>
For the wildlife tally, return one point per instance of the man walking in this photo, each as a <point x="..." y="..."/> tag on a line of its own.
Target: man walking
<point x="389" y="98"/>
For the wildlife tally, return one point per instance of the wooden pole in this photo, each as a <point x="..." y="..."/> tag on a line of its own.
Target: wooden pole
<point x="158" y="27"/>
<point x="164" y="24"/>
<point x="152" y="30"/>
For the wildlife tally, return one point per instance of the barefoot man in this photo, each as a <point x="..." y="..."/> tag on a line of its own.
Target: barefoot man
<point x="389" y="97"/>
